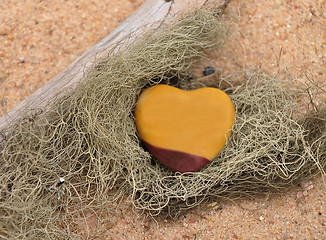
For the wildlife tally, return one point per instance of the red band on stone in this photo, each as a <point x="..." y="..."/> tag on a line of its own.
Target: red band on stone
<point x="176" y="160"/>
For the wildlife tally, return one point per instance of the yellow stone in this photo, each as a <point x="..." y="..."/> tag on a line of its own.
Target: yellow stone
<point x="198" y="121"/>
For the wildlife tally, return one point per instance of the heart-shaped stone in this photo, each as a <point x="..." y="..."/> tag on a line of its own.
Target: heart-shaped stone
<point x="184" y="130"/>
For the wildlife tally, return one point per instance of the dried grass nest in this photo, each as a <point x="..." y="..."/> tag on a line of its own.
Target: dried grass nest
<point x="89" y="139"/>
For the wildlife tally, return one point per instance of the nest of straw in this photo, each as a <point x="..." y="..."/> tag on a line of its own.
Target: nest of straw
<point x="89" y="139"/>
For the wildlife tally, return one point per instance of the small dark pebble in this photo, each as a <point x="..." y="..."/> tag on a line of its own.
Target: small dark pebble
<point x="319" y="213"/>
<point x="22" y="60"/>
<point x="209" y="70"/>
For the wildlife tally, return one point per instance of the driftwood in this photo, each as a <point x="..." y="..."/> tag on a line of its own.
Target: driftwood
<point x="152" y="13"/>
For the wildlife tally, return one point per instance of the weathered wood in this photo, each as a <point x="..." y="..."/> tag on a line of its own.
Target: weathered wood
<point x="151" y="12"/>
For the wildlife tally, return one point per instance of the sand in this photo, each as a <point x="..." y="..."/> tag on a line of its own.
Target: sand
<point x="39" y="39"/>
